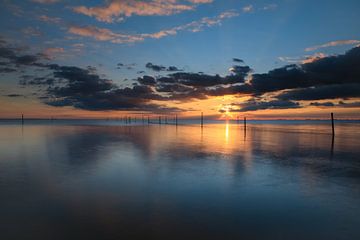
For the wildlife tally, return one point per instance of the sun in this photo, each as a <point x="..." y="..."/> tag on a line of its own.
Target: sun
<point x="226" y="113"/>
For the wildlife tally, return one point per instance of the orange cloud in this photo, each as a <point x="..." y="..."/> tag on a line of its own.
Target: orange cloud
<point x="333" y="44"/>
<point x="51" y="52"/>
<point x="117" y="9"/>
<point x="313" y="58"/>
<point x="103" y="34"/>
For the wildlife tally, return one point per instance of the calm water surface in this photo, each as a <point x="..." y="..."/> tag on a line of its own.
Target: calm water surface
<point x="105" y="181"/>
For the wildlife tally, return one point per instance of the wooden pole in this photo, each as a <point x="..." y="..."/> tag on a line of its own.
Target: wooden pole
<point x="202" y="119"/>
<point x="159" y="119"/>
<point x="332" y="124"/>
<point x="22" y="119"/>
<point x="245" y="123"/>
<point x="176" y="120"/>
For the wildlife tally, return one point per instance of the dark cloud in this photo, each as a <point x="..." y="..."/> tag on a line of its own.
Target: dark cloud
<point x="322" y="92"/>
<point x="31" y="80"/>
<point x="254" y="105"/>
<point x="173" y="69"/>
<point x="329" y="70"/>
<point x="147" y="80"/>
<point x="238" y="60"/>
<point x="158" y="68"/>
<point x="322" y="104"/>
<point x="240" y="70"/>
<point x="83" y="89"/>
<point x="349" y="104"/>
<point x="174" y="88"/>
<point x="7" y="70"/>
<point x="154" y="67"/>
<point x="330" y="77"/>
<point x="14" y="58"/>
<point x="339" y="104"/>
<point x="14" y="95"/>
<point x="200" y="80"/>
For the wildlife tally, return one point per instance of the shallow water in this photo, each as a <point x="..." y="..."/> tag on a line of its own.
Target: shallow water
<point x="80" y="180"/>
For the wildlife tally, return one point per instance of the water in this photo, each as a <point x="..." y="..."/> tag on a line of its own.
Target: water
<point x="102" y="180"/>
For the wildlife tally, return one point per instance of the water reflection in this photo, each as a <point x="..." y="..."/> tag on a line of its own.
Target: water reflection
<point x="177" y="182"/>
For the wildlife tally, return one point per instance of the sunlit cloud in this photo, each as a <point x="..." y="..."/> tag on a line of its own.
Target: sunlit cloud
<point x="333" y="44"/>
<point x="103" y="34"/>
<point x="116" y="10"/>
<point x="312" y="58"/>
<point x="52" y="52"/>
<point x="248" y="8"/>
<point x="303" y="59"/>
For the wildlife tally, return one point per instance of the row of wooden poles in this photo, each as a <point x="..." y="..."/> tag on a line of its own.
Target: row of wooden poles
<point x="127" y="120"/>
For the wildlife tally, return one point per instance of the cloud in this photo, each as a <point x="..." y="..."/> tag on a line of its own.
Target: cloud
<point x="200" y="80"/>
<point x="254" y="105"/>
<point x="303" y="59"/>
<point x="45" y="1"/>
<point x="173" y="69"/>
<point x="30" y="31"/>
<point x="104" y="34"/>
<point x="48" y="19"/>
<point x="81" y="88"/>
<point x="13" y="8"/>
<point x="154" y="67"/>
<point x="332" y="91"/>
<point x="52" y="52"/>
<point x="7" y="70"/>
<point x="240" y="70"/>
<point x="248" y="8"/>
<point x="323" y="79"/>
<point x="13" y="58"/>
<point x="322" y="104"/>
<point x="333" y="44"/>
<point x="116" y="10"/>
<point x="14" y="95"/>
<point x="159" y="68"/>
<point x="238" y="60"/>
<point x="339" y="104"/>
<point x="147" y="80"/>
<point x="340" y="69"/>
<point x="271" y="6"/>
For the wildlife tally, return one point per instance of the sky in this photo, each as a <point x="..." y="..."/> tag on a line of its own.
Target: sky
<point x="262" y="59"/>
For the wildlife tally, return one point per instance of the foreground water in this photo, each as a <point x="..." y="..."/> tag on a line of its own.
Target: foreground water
<point x="86" y="180"/>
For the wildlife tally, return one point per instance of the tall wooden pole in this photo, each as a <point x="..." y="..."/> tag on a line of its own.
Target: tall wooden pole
<point x="22" y="119"/>
<point x="159" y="119"/>
<point x="202" y="119"/>
<point x="176" y="120"/>
<point x="332" y="124"/>
<point x="245" y="123"/>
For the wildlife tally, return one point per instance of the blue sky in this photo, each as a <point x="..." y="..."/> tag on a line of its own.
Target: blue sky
<point x="265" y="34"/>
